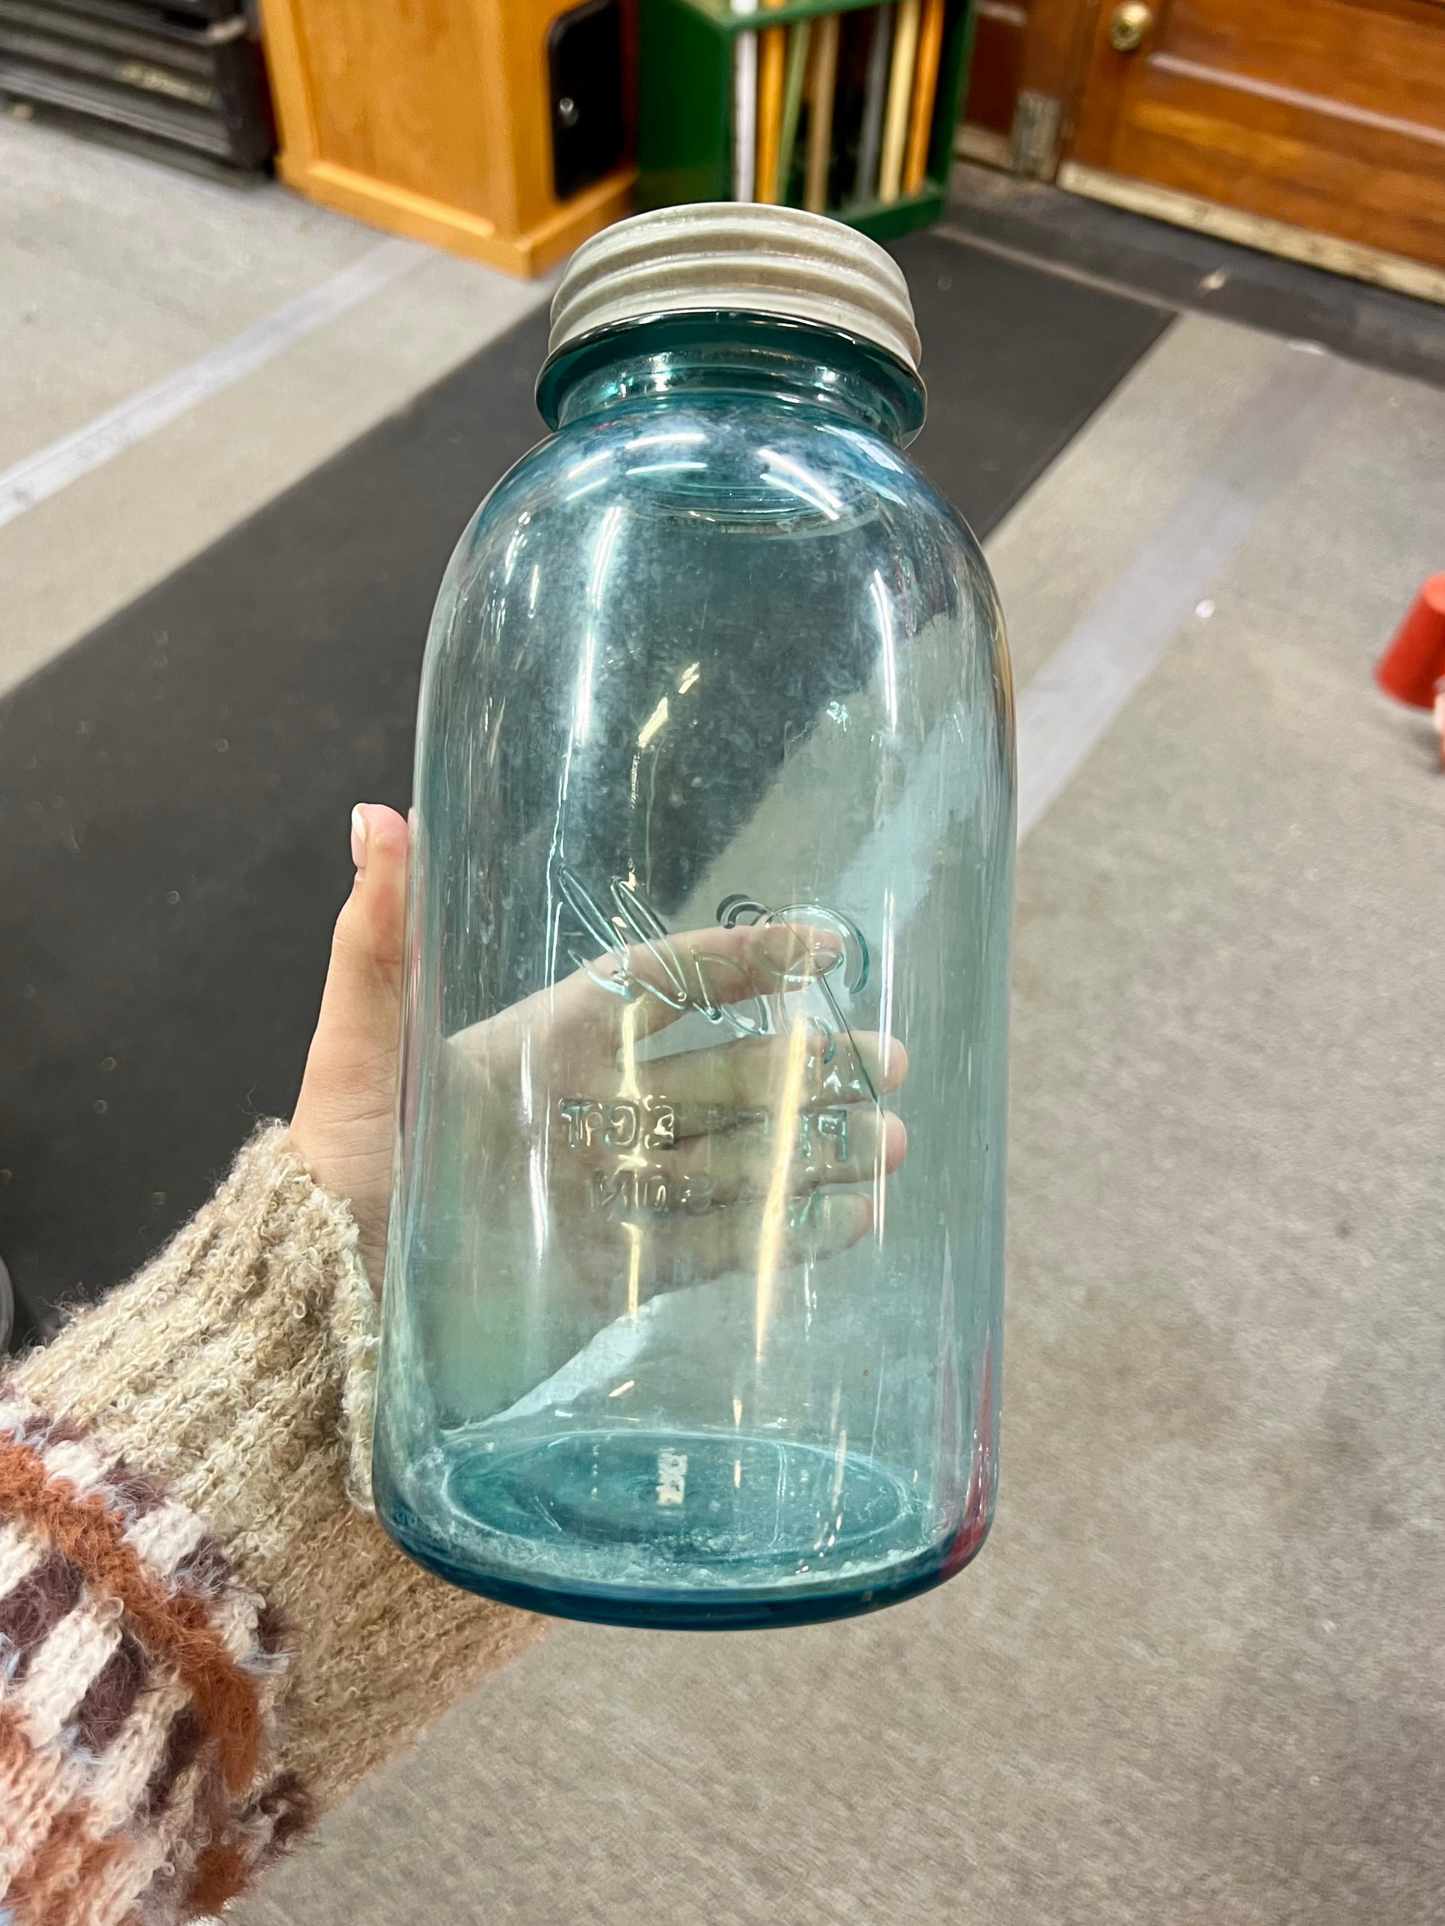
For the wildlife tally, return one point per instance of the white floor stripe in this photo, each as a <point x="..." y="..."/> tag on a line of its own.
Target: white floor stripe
<point x="1073" y="699"/>
<point x="46" y="473"/>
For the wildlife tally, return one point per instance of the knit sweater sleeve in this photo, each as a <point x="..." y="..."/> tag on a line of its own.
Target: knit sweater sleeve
<point x="204" y="1637"/>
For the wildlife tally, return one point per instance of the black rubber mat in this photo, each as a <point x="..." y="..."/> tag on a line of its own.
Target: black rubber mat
<point x="1180" y="268"/>
<point x="175" y="791"/>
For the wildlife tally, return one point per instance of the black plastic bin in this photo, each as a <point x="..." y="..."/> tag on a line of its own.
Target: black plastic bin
<point x="189" y="74"/>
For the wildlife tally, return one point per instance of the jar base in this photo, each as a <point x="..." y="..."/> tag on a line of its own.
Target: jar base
<point x="702" y="1530"/>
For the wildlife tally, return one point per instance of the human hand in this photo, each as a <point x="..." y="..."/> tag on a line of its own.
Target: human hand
<point x="666" y="1168"/>
<point x="345" y="1120"/>
<point x="638" y="1167"/>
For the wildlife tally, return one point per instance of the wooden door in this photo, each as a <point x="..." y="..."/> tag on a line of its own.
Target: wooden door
<point x="1000" y="34"/>
<point x="1325" y="114"/>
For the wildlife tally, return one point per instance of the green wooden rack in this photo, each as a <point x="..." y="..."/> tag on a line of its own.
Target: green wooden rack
<point x="685" y="105"/>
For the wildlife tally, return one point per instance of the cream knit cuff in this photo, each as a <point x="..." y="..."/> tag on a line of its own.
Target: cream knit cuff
<point x="242" y="1360"/>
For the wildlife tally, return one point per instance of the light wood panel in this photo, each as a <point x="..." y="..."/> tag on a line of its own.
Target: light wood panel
<point x="431" y="118"/>
<point x="1326" y="251"/>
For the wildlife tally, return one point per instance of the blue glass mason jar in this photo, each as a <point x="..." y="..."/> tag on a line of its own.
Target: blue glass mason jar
<point x="694" y="1288"/>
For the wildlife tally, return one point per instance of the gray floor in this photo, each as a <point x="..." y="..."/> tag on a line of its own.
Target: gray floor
<point x="1197" y="1674"/>
<point x="116" y="272"/>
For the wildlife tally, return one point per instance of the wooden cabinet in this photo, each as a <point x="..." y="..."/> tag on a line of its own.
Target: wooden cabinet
<point x="1325" y="114"/>
<point x="433" y="118"/>
<point x="1321" y="118"/>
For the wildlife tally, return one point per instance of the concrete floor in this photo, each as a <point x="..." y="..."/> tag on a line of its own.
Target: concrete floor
<point x="115" y="272"/>
<point x="1197" y="1675"/>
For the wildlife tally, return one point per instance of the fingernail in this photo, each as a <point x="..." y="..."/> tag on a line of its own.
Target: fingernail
<point x="825" y="957"/>
<point x="358" y="838"/>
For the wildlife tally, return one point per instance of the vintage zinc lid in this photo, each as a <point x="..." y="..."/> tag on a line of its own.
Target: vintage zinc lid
<point x="740" y="257"/>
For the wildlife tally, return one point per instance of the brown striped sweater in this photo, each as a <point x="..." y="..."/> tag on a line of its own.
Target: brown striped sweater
<point x="205" y="1638"/>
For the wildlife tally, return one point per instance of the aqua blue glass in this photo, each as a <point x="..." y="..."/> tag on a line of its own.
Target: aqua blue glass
<point x="694" y="1289"/>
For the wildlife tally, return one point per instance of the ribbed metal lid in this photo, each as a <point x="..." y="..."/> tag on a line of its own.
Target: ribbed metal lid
<point x="738" y="257"/>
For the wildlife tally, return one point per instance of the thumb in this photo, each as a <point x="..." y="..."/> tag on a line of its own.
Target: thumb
<point x="343" y="1123"/>
<point x="361" y="1004"/>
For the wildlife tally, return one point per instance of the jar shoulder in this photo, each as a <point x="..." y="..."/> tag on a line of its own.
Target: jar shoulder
<point x="727" y="465"/>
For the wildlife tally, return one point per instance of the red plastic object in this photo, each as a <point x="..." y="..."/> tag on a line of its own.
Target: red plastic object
<point x="1415" y="660"/>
